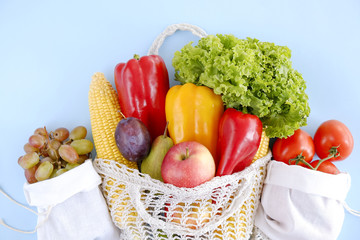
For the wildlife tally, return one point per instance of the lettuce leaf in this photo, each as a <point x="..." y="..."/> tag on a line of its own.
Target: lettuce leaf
<point x="251" y="76"/>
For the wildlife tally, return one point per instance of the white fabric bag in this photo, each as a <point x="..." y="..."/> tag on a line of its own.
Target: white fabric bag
<point x="71" y="206"/>
<point x="299" y="203"/>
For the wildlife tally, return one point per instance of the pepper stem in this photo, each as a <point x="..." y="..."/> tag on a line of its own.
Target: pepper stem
<point x="136" y="56"/>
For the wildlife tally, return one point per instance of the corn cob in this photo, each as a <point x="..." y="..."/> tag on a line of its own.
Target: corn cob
<point x="104" y="116"/>
<point x="263" y="147"/>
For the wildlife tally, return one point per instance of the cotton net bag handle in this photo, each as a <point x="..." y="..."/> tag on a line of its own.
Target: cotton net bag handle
<point x="170" y="30"/>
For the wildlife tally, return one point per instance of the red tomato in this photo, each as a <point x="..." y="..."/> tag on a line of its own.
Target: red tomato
<point x="326" y="167"/>
<point x="333" y="133"/>
<point x="300" y="142"/>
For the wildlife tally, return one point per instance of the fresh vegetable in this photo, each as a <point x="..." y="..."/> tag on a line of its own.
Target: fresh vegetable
<point x="334" y="139"/>
<point x="194" y="113"/>
<point x="251" y="76"/>
<point x="104" y="116"/>
<point x="133" y="139"/>
<point x="142" y="85"/>
<point x="263" y="149"/>
<point x="298" y="146"/>
<point x="239" y="140"/>
<point x="326" y="167"/>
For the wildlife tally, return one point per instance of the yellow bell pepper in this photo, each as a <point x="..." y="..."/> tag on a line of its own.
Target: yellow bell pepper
<point x="193" y="113"/>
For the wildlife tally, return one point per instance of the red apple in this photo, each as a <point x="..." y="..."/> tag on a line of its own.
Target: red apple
<point x="188" y="164"/>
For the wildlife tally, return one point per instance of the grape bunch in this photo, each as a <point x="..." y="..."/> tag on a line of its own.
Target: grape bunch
<point x="50" y="154"/>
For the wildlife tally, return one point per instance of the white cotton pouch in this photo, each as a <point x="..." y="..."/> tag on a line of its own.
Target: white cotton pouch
<point x="71" y="206"/>
<point x="299" y="203"/>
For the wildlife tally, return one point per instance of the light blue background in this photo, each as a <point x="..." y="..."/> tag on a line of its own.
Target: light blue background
<point x="50" y="49"/>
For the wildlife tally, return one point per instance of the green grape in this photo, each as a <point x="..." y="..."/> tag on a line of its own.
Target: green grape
<point x="70" y="166"/>
<point x="68" y="153"/>
<point x="28" y="148"/>
<point x="37" y="141"/>
<point x="61" y="134"/>
<point x="29" y="160"/>
<point x="53" y="154"/>
<point x="60" y="171"/>
<point x="82" y="146"/>
<point x="78" y="133"/>
<point x="44" y="171"/>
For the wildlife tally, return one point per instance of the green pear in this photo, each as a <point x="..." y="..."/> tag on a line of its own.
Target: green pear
<point x="152" y="163"/>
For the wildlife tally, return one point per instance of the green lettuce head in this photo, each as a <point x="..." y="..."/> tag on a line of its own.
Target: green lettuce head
<point x="251" y="76"/>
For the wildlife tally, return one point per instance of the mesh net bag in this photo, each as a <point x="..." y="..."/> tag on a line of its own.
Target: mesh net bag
<point x="144" y="208"/>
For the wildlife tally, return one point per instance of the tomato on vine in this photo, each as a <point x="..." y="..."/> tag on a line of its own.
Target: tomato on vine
<point x="333" y="140"/>
<point x="295" y="149"/>
<point x="326" y="167"/>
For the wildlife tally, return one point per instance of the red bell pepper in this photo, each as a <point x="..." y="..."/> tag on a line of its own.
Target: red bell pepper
<point x="142" y="85"/>
<point x="238" y="141"/>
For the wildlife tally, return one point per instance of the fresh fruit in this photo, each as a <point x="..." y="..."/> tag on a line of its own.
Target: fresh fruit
<point x="77" y="133"/>
<point x="290" y="150"/>
<point x="132" y="139"/>
<point x="188" y="164"/>
<point x="82" y="146"/>
<point x="60" y="171"/>
<point x="29" y="160"/>
<point x="28" y="148"/>
<point x="49" y="154"/>
<point x="68" y="153"/>
<point x="152" y="163"/>
<point x="70" y="166"/>
<point x="37" y="141"/>
<point x="326" y="167"/>
<point x="334" y="139"/>
<point x="30" y="174"/>
<point x="44" y="171"/>
<point x="41" y="131"/>
<point x="61" y="134"/>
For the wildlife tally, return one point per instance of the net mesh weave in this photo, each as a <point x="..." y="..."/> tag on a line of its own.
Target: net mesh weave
<point x="145" y="208"/>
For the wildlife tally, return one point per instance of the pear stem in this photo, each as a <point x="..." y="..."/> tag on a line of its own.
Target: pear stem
<point x="166" y="127"/>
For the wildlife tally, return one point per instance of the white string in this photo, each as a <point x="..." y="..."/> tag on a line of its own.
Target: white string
<point x="14" y="201"/>
<point x="46" y="213"/>
<point x="350" y="210"/>
<point x="197" y="31"/>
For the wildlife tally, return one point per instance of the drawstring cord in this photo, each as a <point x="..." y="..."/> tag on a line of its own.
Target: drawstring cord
<point x="350" y="210"/>
<point x="46" y="213"/>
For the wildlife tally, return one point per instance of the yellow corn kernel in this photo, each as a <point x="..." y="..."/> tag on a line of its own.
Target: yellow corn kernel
<point x="263" y="147"/>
